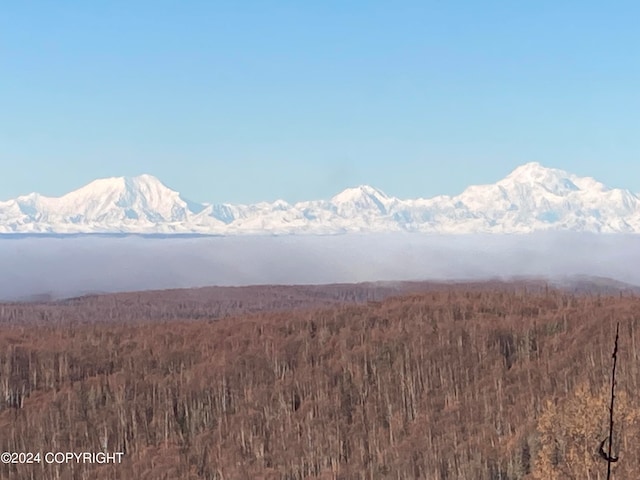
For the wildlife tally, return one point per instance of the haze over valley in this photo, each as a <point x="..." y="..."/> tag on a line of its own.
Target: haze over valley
<point x="76" y="265"/>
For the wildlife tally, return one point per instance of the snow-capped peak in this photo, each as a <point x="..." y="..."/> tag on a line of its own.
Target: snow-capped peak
<point x="532" y="197"/>
<point x="134" y="185"/>
<point x="363" y="197"/>
<point x="106" y="204"/>
<point x="534" y="170"/>
<point x="534" y="175"/>
<point x="356" y="194"/>
<point x="142" y="195"/>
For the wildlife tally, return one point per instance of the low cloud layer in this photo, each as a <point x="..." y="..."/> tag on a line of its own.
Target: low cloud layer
<point x="71" y="266"/>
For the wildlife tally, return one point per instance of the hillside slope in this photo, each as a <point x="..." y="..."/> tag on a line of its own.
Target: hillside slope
<point x="468" y="384"/>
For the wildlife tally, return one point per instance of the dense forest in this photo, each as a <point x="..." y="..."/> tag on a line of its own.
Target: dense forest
<point x="208" y="303"/>
<point x="466" y="382"/>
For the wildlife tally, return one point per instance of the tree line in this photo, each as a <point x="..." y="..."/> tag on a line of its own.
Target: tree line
<point x="458" y="383"/>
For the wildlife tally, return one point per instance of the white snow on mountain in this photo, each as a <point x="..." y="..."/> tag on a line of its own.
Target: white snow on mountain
<point x="531" y="198"/>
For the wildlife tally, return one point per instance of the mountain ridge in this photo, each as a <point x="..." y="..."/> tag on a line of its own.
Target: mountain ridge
<point x="530" y="198"/>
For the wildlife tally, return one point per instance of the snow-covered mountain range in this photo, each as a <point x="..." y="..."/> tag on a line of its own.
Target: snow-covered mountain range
<point x="531" y="198"/>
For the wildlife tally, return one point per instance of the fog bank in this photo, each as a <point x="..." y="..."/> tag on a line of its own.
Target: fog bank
<point x="70" y="266"/>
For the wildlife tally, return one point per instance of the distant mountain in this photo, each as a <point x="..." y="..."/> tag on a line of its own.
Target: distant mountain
<point x="531" y="198"/>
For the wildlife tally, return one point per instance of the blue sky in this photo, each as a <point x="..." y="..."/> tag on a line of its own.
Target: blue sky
<point x="246" y="101"/>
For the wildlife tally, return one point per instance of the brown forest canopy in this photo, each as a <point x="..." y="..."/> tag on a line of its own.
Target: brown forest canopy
<point x="459" y="382"/>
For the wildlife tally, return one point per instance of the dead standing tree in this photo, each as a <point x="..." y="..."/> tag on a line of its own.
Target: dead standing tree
<point x="607" y="455"/>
